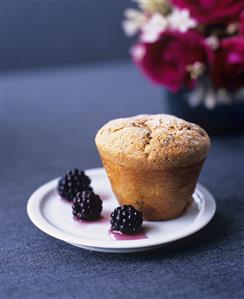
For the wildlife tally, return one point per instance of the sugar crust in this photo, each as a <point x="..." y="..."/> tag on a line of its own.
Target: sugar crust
<point x="155" y="141"/>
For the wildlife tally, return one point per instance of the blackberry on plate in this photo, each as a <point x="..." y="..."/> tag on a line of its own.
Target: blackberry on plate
<point x="126" y="219"/>
<point x="87" y="206"/>
<point x="72" y="182"/>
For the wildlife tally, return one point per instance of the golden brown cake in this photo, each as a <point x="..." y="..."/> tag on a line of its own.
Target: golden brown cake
<point x="153" y="162"/>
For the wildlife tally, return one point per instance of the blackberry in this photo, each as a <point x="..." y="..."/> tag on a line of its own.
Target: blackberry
<point x="72" y="182"/>
<point x="87" y="206"/>
<point x="126" y="219"/>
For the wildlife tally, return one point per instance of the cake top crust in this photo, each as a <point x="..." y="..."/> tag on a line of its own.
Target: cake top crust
<point x="156" y="141"/>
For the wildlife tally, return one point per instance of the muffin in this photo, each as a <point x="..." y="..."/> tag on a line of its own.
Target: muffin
<point x="153" y="162"/>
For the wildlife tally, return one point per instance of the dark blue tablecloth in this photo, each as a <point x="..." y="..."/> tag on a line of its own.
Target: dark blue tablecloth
<point x="48" y="123"/>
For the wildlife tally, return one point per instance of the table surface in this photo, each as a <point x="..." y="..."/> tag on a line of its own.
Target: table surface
<point x="48" y="122"/>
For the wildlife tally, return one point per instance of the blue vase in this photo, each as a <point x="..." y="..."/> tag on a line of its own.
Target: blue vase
<point x="223" y="118"/>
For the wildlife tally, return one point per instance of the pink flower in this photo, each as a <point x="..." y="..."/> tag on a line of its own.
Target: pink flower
<point x="228" y="64"/>
<point x="167" y="61"/>
<point x="241" y="23"/>
<point x="212" y="11"/>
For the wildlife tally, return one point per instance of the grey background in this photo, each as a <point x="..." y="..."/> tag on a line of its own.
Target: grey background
<point x="37" y="33"/>
<point x="48" y="120"/>
<point x="49" y="123"/>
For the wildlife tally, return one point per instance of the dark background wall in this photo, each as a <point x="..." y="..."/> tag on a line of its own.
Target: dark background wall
<point x="37" y="33"/>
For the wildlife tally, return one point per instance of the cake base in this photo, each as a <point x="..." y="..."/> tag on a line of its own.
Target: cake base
<point x="158" y="194"/>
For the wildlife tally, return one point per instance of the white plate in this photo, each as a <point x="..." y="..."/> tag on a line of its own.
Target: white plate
<point x="53" y="215"/>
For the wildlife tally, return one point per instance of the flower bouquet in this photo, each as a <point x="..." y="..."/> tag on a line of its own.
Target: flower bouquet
<point x="195" y="46"/>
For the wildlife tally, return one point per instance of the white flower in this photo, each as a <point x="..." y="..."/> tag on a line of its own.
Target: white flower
<point x="196" y="97"/>
<point x="210" y="99"/>
<point x="232" y="28"/>
<point x="134" y="21"/>
<point x="196" y="70"/>
<point x="213" y="42"/>
<point x="138" y="52"/>
<point x="153" y="28"/>
<point x="181" y="20"/>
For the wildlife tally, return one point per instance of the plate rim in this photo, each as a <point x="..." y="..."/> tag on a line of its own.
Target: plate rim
<point x="34" y="213"/>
